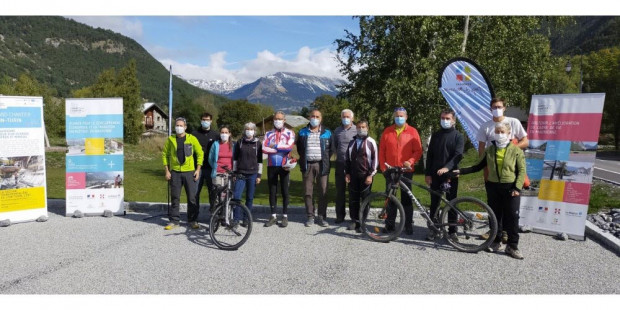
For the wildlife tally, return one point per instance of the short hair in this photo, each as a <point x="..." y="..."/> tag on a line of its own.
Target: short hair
<point x="363" y="121"/>
<point x="279" y="112"/>
<point x="448" y="111"/>
<point x="180" y="118"/>
<point x="503" y="125"/>
<point x="346" y="111"/>
<point x="400" y="109"/>
<point x="314" y="110"/>
<point x="206" y="114"/>
<point x="497" y="99"/>
<point x="250" y="126"/>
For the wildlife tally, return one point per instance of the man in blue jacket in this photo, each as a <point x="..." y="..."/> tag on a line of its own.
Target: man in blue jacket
<point x="314" y="148"/>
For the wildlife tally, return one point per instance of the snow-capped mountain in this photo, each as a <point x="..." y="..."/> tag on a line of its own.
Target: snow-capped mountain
<point x="287" y="91"/>
<point x="216" y="86"/>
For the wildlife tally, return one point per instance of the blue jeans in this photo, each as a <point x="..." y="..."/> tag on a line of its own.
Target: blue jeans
<point x="249" y="183"/>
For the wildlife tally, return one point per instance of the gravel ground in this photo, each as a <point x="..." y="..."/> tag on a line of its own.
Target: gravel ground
<point x="126" y="255"/>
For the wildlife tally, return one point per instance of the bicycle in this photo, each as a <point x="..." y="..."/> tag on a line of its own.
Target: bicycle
<point x="473" y="217"/>
<point x="231" y="221"/>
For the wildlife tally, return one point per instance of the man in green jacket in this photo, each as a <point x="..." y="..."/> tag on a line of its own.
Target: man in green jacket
<point x="178" y="158"/>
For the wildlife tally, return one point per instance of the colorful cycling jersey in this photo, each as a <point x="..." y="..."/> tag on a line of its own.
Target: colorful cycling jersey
<point x="277" y="145"/>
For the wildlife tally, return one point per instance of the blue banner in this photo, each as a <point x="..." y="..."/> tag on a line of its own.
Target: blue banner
<point x="95" y="126"/>
<point x="468" y="92"/>
<point x="20" y="117"/>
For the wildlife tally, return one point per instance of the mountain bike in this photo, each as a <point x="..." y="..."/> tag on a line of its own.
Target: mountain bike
<point x="383" y="216"/>
<point x="231" y="221"/>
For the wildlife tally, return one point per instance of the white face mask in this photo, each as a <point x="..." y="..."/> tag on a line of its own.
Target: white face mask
<point x="501" y="139"/>
<point x="362" y="133"/>
<point x="179" y="129"/>
<point x="497" y="112"/>
<point x="224" y="136"/>
<point x="445" y="124"/>
<point x="278" y="123"/>
<point x="249" y="133"/>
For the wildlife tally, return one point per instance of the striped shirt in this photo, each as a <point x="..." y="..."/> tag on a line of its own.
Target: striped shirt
<point x="313" y="152"/>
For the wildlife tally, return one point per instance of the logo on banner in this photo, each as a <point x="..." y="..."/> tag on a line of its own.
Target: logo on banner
<point x="463" y="74"/>
<point x="576" y="214"/>
<point x="557" y="211"/>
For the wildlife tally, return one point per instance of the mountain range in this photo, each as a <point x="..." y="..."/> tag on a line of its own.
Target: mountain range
<point x="285" y="91"/>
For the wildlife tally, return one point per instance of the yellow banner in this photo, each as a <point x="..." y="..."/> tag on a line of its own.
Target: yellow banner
<point x="22" y="199"/>
<point x="551" y="190"/>
<point x="94" y="146"/>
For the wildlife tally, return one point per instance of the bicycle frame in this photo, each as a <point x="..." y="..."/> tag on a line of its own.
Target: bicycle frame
<point x="391" y="189"/>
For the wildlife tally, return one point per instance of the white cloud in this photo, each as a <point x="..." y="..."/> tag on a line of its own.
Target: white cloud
<point x="120" y="24"/>
<point x="320" y="62"/>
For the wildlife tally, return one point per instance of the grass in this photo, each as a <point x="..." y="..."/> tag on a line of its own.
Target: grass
<point x="144" y="180"/>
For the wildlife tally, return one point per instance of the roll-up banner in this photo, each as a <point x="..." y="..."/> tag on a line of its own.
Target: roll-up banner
<point x="22" y="159"/>
<point x="94" y="161"/>
<point x="468" y="92"/>
<point x="563" y="131"/>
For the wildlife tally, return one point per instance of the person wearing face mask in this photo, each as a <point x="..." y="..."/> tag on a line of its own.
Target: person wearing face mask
<point x="486" y="134"/>
<point x="182" y="171"/>
<point x="221" y="155"/>
<point x="400" y="145"/>
<point x="361" y="162"/>
<point x="342" y="136"/>
<point x="506" y="164"/>
<point x="444" y="153"/>
<point x="314" y="147"/>
<point x="278" y="144"/>
<point x="247" y="160"/>
<point x="206" y="135"/>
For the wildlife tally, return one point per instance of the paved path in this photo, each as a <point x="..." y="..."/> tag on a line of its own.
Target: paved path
<point x="126" y="255"/>
<point x="607" y="169"/>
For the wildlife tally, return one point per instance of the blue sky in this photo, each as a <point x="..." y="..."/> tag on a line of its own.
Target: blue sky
<point x="241" y="48"/>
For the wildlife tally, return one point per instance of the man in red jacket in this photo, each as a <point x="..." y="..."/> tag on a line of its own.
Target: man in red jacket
<point x="400" y="145"/>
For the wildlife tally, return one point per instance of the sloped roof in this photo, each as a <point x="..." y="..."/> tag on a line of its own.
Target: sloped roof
<point x="148" y="105"/>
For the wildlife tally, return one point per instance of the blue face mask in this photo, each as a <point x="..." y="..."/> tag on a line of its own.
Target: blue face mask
<point x="399" y="120"/>
<point x="346" y="121"/>
<point x="205" y="124"/>
<point x="314" y="122"/>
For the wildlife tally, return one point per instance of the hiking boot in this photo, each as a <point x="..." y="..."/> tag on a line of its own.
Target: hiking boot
<point x="321" y="221"/>
<point x="171" y="226"/>
<point x="388" y="229"/>
<point x="284" y="222"/>
<point x="504" y="237"/>
<point x="431" y="236"/>
<point x="453" y="237"/>
<point x="309" y="222"/>
<point x="484" y="236"/>
<point x="245" y="223"/>
<point x="515" y="253"/>
<point x="339" y="220"/>
<point x="272" y="221"/>
<point x="194" y="225"/>
<point x="494" y="248"/>
<point x="351" y="226"/>
<point x="358" y="229"/>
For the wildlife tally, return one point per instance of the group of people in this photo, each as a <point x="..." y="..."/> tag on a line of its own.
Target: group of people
<point x="357" y="159"/>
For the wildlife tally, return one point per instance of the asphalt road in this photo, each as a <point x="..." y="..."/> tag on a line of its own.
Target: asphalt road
<point x="126" y="255"/>
<point x="607" y="169"/>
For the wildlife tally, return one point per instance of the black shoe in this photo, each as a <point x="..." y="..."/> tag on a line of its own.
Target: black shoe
<point x="339" y="220"/>
<point x="284" y="221"/>
<point x="387" y="229"/>
<point x="351" y="226"/>
<point x="245" y="223"/>
<point x="409" y="230"/>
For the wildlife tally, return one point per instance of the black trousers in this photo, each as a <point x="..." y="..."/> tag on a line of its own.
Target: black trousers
<point x="273" y="174"/>
<point x="451" y="194"/>
<point x="341" y="188"/>
<point x="506" y="208"/>
<point x="405" y="201"/>
<point x="358" y="190"/>
<point x="179" y="180"/>
<point x="205" y="179"/>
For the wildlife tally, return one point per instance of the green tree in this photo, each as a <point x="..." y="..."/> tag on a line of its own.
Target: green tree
<point x="602" y="75"/>
<point x="395" y="61"/>
<point x="236" y="113"/>
<point x="123" y="84"/>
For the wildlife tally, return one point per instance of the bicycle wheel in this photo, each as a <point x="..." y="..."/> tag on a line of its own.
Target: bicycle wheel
<point x="471" y="218"/>
<point x="225" y="232"/>
<point x="376" y="215"/>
